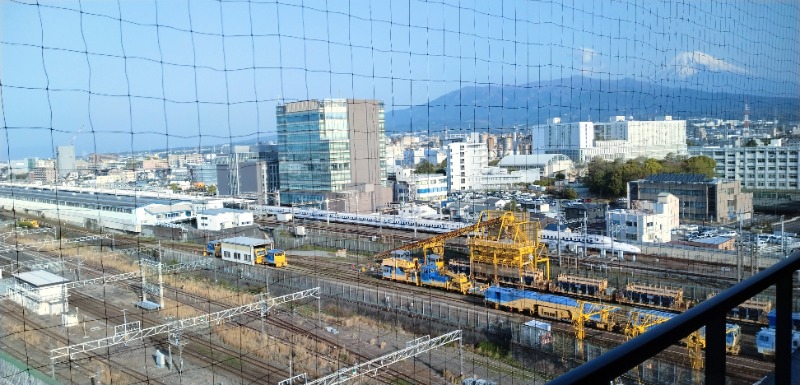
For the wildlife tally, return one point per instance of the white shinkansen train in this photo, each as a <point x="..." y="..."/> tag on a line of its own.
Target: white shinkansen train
<point x="568" y="240"/>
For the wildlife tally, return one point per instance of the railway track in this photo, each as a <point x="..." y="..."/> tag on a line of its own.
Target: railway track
<point x="137" y="376"/>
<point x="334" y="270"/>
<point x="749" y="366"/>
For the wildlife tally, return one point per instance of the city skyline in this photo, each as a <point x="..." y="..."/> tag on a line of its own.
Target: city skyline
<point x="158" y="75"/>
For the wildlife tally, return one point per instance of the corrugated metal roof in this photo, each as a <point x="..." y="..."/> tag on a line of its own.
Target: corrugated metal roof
<point x="160" y="209"/>
<point x="40" y="278"/>
<point x="85" y="198"/>
<point x="246" y="241"/>
<point x="220" y="211"/>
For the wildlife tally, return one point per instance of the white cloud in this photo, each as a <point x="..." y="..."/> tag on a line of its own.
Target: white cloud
<point x="590" y="60"/>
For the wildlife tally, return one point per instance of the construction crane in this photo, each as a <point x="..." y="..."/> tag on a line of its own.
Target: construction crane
<point x="587" y="310"/>
<point x="436" y="243"/>
<point x="508" y="239"/>
<point x="641" y="321"/>
<point x="72" y="140"/>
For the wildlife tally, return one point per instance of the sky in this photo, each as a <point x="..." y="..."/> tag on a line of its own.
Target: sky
<point x="138" y="75"/>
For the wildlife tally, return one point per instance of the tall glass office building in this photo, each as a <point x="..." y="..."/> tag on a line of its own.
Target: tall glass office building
<point x="330" y="145"/>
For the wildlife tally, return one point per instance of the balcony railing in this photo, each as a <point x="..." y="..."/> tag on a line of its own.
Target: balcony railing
<point x="711" y="314"/>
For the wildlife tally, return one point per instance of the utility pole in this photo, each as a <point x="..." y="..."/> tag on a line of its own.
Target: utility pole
<point x="558" y="215"/>
<point x="783" y="238"/>
<point x="585" y="231"/>
<point x="739" y="245"/>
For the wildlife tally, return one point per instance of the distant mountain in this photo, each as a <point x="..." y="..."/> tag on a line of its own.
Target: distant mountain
<point x="694" y="85"/>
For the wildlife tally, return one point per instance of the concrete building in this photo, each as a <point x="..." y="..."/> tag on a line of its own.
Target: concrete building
<point x="182" y="160"/>
<point x="650" y="221"/>
<point x="413" y="156"/>
<point x="205" y="173"/>
<point x="465" y="162"/>
<point x="548" y="164"/>
<point x="43" y="174"/>
<point x="766" y="168"/>
<point x="702" y="199"/>
<point x="593" y="213"/>
<point x="220" y="219"/>
<point x="422" y="187"/>
<point x="496" y="178"/>
<point x="620" y="138"/>
<point x="41" y="292"/>
<point x="333" y="150"/>
<point x="436" y="155"/>
<point x="65" y="161"/>
<point x="154" y="164"/>
<point x="242" y="178"/>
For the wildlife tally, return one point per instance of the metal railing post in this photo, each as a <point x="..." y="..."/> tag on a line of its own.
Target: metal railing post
<point x="715" y="351"/>
<point x="783" y="328"/>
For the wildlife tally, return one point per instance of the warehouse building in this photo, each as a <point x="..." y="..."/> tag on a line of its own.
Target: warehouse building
<point x="123" y="211"/>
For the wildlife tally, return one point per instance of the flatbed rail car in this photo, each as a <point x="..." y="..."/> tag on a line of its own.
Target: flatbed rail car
<point x="642" y="320"/>
<point x="506" y="275"/>
<point x="652" y="295"/>
<point x="571" y="284"/>
<point x="566" y="309"/>
<point x="550" y="306"/>
<point x="754" y="310"/>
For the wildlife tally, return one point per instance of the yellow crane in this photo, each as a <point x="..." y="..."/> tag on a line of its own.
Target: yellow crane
<point x="504" y="238"/>
<point x="586" y="310"/>
<point x="436" y="243"/>
<point x="639" y="322"/>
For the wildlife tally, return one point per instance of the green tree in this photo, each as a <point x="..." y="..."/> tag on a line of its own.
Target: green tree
<point x="560" y="176"/>
<point x="511" y="206"/>
<point x="596" y="175"/>
<point x="699" y="165"/>
<point x="425" y="167"/>
<point x="494" y="162"/>
<point x="568" y="193"/>
<point x="211" y="190"/>
<point x="174" y="187"/>
<point x="652" y="166"/>
<point x="751" y="143"/>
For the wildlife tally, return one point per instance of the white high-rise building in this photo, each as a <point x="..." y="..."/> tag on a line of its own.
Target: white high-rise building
<point x="65" y="160"/>
<point x="465" y="161"/>
<point x="620" y="138"/>
<point x="770" y="168"/>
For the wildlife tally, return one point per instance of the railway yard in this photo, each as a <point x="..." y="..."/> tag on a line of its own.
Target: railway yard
<point x="413" y="307"/>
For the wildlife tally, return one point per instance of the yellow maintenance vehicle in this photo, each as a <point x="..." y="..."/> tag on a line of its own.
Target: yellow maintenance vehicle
<point x="28" y="224"/>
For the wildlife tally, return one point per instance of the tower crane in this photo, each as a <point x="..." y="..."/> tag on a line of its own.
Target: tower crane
<point x="72" y="140"/>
